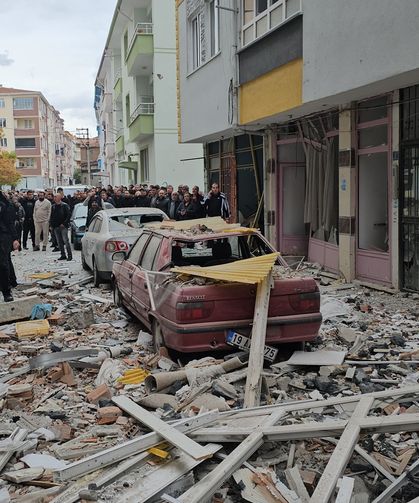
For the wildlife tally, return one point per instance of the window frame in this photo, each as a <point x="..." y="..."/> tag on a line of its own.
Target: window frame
<point x="3" y="142"/>
<point x="3" y="122"/>
<point x="129" y="257"/>
<point x="272" y="5"/>
<point x="155" y="252"/>
<point x="196" y="42"/>
<point x="2" y="103"/>
<point x="26" y="103"/>
<point x="26" y="146"/>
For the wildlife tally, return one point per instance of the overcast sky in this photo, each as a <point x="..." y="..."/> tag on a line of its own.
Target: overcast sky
<point x="55" y="46"/>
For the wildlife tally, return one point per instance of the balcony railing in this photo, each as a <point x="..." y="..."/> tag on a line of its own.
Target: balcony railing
<point x="146" y="107"/>
<point x="140" y="29"/>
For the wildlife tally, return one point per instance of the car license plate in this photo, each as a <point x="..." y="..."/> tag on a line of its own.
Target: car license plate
<point x="243" y="342"/>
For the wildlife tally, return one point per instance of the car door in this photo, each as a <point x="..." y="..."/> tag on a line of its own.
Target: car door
<point x="94" y="240"/>
<point x="89" y="239"/>
<point x="129" y="266"/>
<point x="140" y="290"/>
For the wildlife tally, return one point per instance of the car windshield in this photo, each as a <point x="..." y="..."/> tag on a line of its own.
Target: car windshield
<point x="135" y="221"/>
<point x="80" y="211"/>
<point x="210" y="252"/>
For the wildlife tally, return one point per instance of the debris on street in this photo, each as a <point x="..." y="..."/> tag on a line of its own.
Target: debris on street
<point x="89" y="412"/>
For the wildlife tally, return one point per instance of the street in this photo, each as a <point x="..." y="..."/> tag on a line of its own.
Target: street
<point x="67" y="410"/>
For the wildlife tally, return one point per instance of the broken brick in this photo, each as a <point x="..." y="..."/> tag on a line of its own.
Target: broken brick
<point x="98" y="393"/>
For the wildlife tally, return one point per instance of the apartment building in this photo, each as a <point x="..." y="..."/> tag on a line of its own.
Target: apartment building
<point x="332" y="96"/>
<point x="72" y="159"/>
<point x="135" y="99"/>
<point x="34" y="130"/>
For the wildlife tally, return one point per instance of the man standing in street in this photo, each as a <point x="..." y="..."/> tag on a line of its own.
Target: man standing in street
<point x="60" y="222"/>
<point x="28" y="204"/>
<point x="162" y="203"/>
<point x="174" y="205"/>
<point x="216" y="204"/>
<point x="8" y="242"/>
<point x="41" y="216"/>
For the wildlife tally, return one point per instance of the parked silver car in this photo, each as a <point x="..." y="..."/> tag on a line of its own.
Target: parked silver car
<point x="111" y="231"/>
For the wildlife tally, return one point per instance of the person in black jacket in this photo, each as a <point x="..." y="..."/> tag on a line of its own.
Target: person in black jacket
<point x="162" y="203"/>
<point x="8" y="242"/>
<point x="60" y="222"/>
<point x="141" y="200"/>
<point x="28" y="203"/>
<point x="187" y="210"/>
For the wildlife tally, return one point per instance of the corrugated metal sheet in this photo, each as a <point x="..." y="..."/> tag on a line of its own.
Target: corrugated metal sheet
<point x="250" y="271"/>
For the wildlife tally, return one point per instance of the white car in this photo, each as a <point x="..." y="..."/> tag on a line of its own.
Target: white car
<point x="111" y="231"/>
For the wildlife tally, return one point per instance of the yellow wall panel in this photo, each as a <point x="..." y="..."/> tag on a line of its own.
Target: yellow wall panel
<point x="274" y="92"/>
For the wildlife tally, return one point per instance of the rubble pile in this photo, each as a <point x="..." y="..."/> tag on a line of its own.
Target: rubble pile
<point x="89" y="412"/>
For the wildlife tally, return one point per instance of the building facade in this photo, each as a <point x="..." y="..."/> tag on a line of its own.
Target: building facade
<point x="333" y="96"/>
<point x="34" y="130"/>
<point x="135" y="99"/>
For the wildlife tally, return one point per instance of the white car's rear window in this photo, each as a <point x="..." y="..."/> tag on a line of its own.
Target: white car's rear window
<point x="134" y="221"/>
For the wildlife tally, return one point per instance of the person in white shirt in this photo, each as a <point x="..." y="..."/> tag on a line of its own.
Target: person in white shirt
<point x="41" y="217"/>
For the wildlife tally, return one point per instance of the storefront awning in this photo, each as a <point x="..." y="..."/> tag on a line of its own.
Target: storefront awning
<point x="128" y="165"/>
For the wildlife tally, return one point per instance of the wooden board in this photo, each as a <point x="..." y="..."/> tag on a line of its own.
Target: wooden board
<point x="342" y="453"/>
<point x="174" y="436"/>
<point x="152" y="483"/>
<point x="208" y="485"/>
<point x="255" y="366"/>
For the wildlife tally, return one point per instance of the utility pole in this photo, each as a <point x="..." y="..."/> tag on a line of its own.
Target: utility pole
<point x="83" y="134"/>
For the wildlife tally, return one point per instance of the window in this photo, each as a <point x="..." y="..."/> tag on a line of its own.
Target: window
<point x="3" y="142"/>
<point x="150" y="256"/>
<point x="260" y="16"/>
<point x="2" y="122"/>
<point x="27" y="162"/>
<point x="138" y="248"/>
<point x="127" y="109"/>
<point x="28" y="124"/>
<point x="95" y="225"/>
<point x="23" y="103"/>
<point x="25" y="143"/>
<point x="135" y="221"/>
<point x="144" y="166"/>
<point x="196" y="24"/>
<point x="215" y="26"/>
<point x="2" y="103"/>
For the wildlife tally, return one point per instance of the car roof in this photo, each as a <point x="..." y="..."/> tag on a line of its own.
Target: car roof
<point x="116" y="212"/>
<point x="201" y="236"/>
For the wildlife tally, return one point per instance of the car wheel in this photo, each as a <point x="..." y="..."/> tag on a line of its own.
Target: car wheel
<point x="83" y="263"/>
<point x="117" y="298"/>
<point x="96" y="275"/>
<point x="158" y="339"/>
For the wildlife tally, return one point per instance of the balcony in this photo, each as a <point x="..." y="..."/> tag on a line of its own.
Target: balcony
<point x="142" y="120"/>
<point x="139" y="57"/>
<point x="120" y="144"/>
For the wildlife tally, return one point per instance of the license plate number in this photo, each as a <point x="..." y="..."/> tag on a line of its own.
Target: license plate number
<point x="243" y="343"/>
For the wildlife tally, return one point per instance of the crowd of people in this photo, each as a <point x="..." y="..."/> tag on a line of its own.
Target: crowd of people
<point x="42" y="215"/>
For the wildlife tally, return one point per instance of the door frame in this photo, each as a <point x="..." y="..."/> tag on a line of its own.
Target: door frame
<point x="373" y="256"/>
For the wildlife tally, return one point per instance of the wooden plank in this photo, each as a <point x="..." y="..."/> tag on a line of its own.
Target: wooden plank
<point x="296" y="483"/>
<point x="126" y="449"/>
<point x="389" y="424"/>
<point x="342" y="453"/>
<point x="363" y="453"/>
<point x="345" y="490"/>
<point x="255" y="366"/>
<point x="19" y="309"/>
<point x="174" y="436"/>
<point x="208" y="485"/>
<point x="401" y="481"/>
<point x="154" y="482"/>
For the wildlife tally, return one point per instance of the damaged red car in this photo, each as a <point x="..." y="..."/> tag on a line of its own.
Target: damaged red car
<point x="196" y="314"/>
